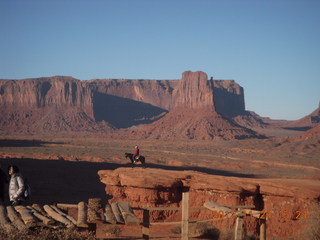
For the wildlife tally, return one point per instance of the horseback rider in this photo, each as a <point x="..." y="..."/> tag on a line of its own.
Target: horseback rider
<point x="136" y="153"/>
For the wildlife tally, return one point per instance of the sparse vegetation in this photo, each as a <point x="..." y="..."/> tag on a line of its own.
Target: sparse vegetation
<point x="204" y="230"/>
<point x="46" y="234"/>
<point x="199" y="230"/>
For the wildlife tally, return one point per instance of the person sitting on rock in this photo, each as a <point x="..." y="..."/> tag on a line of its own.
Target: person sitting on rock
<point x="136" y="154"/>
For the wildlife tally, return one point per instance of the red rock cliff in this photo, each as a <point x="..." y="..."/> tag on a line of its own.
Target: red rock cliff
<point x="62" y="103"/>
<point x="58" y="92"/>
<point x="194" y="90"/>
<point x="286" y="201"/>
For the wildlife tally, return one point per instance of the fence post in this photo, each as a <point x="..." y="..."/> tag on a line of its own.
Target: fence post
<point x="146" y="224"/>
<point x="263" y="235"/>
<point x="238" y="235"/>
<point x="185" y="215"/>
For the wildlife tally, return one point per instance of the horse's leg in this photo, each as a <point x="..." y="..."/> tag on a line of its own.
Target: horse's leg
<point x="132" y="162"/>
<point x="143" y="161"/>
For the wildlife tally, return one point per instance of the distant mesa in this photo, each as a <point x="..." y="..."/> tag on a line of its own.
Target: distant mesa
<point x="193" y="107"/>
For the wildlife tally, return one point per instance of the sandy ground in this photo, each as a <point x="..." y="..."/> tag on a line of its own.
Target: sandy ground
<point x="54" y="180"/>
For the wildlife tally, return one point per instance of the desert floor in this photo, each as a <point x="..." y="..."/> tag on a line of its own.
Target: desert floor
<point x="65" y="169"/>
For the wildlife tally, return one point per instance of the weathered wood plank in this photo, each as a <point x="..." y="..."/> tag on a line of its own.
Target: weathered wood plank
<point x="58" y="217"/>
<point x="44" y="219"/>
<point x="15" y="219"/>
<point x="127" y="213"/>
<point x="4" y="221"/>
<point x="26" y="215"/>
<point x="109" y="215"/>
<point x="66" y="206"/>
<point x="64" y="214"/>
<point x="82" y="215"/>
<point x="263" y="229"/>
<point x="117" y="213"/>
<point x="39" y="208"/>
<point x="185" y="216"/>
<point x="239" y="234"/>
<point x="214" y="206"/>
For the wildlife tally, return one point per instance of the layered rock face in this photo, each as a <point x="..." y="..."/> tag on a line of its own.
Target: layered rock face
<point x="46" y="105"/>
<point x="67" y="104"/>
<point x="57" y="92"/>
<point x="194" y="90"/>
<point x="286" y="203"/>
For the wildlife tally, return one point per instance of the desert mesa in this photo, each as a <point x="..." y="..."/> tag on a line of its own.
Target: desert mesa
<point x="193" y="107"/>
<point x="195" y="132"/>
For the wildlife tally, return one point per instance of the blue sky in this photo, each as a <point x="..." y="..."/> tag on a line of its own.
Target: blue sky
<point x="270" y="47"/>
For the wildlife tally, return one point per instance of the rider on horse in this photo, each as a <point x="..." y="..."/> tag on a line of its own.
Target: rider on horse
<point x="136" y="153"/>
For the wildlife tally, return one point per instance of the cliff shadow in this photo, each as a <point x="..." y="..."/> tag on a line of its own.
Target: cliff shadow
<point x="24" y="143"/>
<point x="301" y="129"/>
<point x="227" y="103"/>
<point x="60" y="181"/>
<point x="124" y="112"/>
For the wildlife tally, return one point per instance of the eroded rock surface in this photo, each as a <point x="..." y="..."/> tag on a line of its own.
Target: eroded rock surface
<point x="287" y="202"/>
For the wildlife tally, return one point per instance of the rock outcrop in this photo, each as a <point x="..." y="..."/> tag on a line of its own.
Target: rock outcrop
<point x="307" y="122"/>
<point x="200" y="124"/>
<point x="286" y="201"/>
<point x="194" y="90"/>
<point x="57" y="92"/>
<point x="200" y="108"/>
<point x="47" y="105"/>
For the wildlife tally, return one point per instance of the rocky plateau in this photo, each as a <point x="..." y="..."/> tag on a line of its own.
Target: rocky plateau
<point x="193" y="107"/>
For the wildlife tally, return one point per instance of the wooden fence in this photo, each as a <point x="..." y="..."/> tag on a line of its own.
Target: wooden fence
<point x="236" y="211"/>
<point x="22" y="217"/>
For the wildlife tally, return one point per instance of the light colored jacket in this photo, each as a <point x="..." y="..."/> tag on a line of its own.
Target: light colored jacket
<point x="16" y="187"/>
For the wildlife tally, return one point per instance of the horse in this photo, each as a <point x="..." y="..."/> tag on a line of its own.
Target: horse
<point x="141" y="159"/>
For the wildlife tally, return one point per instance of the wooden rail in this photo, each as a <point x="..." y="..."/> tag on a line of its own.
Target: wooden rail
<point x="238" y="210"/>
<point x="50" y="214"/>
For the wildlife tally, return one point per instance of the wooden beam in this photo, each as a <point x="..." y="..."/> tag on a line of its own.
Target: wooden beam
<point x="214" y="206"/>
<point x="66" y="206"/>
<point x="45" y="220"/>
<point x="185" y="216"/>
<point x="39" y="208"/>
<point x="26" y="215"/>
<point x="15" y="219"/>
<point x="109" y="215"/>
<point x="117" y="213"/>
<point x="263" y="228"/>
<point x="4" y="221"/>
<point x="64" y="214"/>
<point x="58" y="217"/>
<point x="127" y="213"/>
<point x="238" y="234"/>
<point x="82" y="215"/>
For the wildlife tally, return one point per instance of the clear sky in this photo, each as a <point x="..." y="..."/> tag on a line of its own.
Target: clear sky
<point x="270" y="47"/>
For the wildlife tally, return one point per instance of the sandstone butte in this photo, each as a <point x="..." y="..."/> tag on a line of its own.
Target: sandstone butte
<point x="289" y="202"/>
<point x="193" y="107"/>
